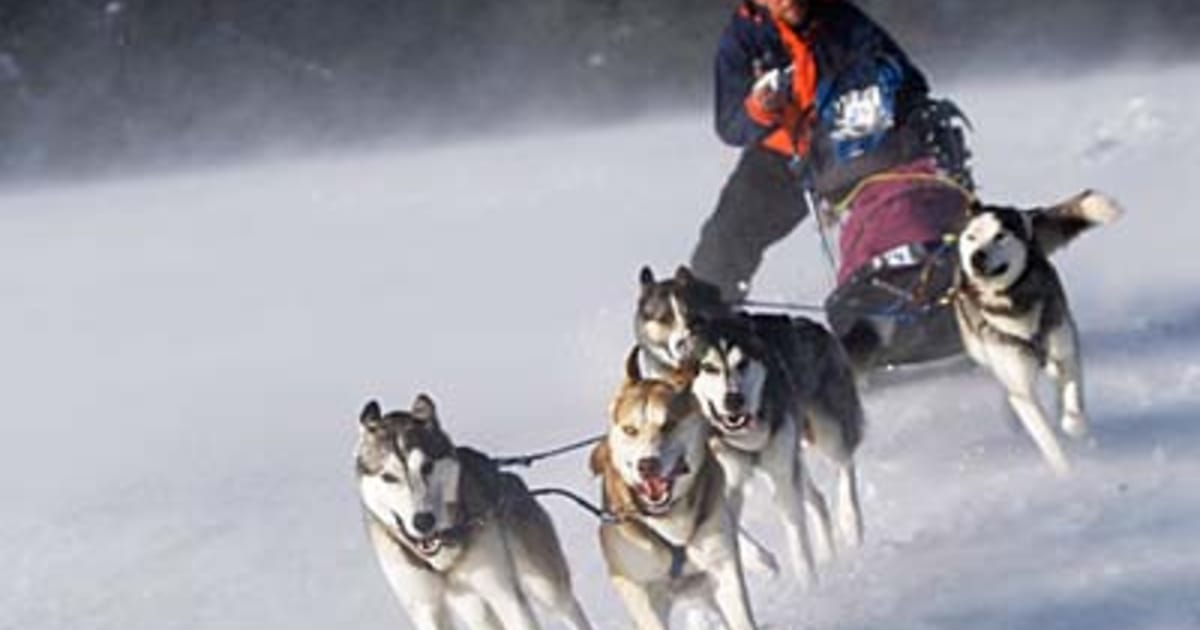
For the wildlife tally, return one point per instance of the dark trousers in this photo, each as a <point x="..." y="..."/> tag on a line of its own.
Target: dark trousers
<point x="762" y="202"/>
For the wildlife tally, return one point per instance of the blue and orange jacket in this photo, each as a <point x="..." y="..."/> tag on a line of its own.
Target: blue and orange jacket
<point x="833" y="36"/>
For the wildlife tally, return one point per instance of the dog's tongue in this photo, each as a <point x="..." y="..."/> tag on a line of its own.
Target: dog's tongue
<point x="657" y="488"/>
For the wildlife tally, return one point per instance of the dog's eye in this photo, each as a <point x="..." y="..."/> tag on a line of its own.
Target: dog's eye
<point x="709" y="368"/>
<point x="389" y="478"/>
<point x="655" y="311"/>
<point x="426" y="469"/>
<point x="629" y="430"/>
<point x="743" y="365"/>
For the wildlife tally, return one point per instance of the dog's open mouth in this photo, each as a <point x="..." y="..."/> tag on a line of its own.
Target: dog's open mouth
<point x="428" y="546"/>
<point x="731" y="422"/>
<point x="999" y="270"/>
<point x="656" y="492"/>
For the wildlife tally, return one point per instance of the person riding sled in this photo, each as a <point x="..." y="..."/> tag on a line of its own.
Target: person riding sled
<point x="829" y="111"/>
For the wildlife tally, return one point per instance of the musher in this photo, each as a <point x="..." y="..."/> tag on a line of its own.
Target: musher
<point x="825" y="103"/>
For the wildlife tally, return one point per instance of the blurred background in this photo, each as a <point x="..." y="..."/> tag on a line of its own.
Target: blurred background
<point x="92" y="87"/>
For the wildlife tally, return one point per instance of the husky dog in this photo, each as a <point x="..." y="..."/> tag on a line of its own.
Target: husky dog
<point x="747" y="393"/>
<point x="806" y="364"/>
<point x="669" y="313"/>
<point x="672" y="534"/>
<point x="452" y="532"/>
<point x="1012" y="309"/>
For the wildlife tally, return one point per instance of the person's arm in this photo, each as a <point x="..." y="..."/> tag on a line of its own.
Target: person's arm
<point x="739" y="121"/>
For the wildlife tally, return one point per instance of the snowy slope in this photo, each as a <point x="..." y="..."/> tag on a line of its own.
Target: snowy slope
<point x="186" y="358"/>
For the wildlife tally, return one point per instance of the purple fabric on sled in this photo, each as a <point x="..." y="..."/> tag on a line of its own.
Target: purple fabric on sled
<point x="887" y="214"/>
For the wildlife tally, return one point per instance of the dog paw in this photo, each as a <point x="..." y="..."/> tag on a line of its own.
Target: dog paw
<point x="1075" y="425"/>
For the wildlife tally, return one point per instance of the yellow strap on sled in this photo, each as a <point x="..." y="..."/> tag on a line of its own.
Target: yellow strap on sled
<point x="841" y="207"/>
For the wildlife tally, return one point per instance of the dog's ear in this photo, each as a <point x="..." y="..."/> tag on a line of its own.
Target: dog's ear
<point x="371" y="416"/>
<point x="424" y="409"/>
<point x="599" y="458"/>
<point x="1055" y="227"/>
<point x="684" y="276"/>
<point x="633" y="368"/>
<point x="973" y="209"/>
<point x="646" y="277"/>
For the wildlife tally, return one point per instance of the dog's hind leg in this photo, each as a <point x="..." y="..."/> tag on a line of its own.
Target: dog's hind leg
<point x="817" y="509"/>
<point x="1017" y="370"/>
<point x="1064" y="366"/>
<point x="849" y="511"/>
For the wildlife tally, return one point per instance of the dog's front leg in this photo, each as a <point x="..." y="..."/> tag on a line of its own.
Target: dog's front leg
<point x="716" y="552"/>
<point x="755" y="555"/>
<point x="1017" y="370"/>
<point x="490" y="571"/>
<point x="784" y="471"/>
<point x="470" y="608"/>
<point x="430" y="616"/>
<point x="649" y="610"/>
<point x="733" y="602"/>
<point x="1062" y="350"/>
<point x="421" y="592"/>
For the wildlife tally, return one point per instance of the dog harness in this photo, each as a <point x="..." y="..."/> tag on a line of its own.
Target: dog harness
<point x="967" y="303"/>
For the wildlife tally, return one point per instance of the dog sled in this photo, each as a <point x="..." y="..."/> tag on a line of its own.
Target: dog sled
<point x="898" y="267"/>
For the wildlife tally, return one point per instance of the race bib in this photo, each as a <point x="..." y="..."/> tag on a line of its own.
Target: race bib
<point x="861" y="114"/>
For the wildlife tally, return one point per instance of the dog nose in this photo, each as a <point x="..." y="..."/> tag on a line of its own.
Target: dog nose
<point x="979" y="260"/>
<point x="649" y="467"/>
<point x="734" y="401"/>
<point x="424" y="522"/>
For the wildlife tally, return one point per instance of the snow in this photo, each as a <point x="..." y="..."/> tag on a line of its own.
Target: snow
<point x="186" y="357"/>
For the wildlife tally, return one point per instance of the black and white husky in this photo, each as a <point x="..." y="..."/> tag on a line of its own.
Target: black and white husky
<point x="764" y="382"/>
<point x="1012" y="309"/>
<point x="452" y="532"/>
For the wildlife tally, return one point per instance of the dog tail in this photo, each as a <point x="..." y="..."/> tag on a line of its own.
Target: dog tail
<point x="1055" y="227"/>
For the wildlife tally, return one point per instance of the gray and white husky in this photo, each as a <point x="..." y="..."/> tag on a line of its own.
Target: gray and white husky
<point x="1012" y="309"/>
<point x="452" y="532"/>
<point x="764" y="382"/>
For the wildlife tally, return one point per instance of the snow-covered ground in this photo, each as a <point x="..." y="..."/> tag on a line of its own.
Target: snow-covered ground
<point x="184" y="360"/>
